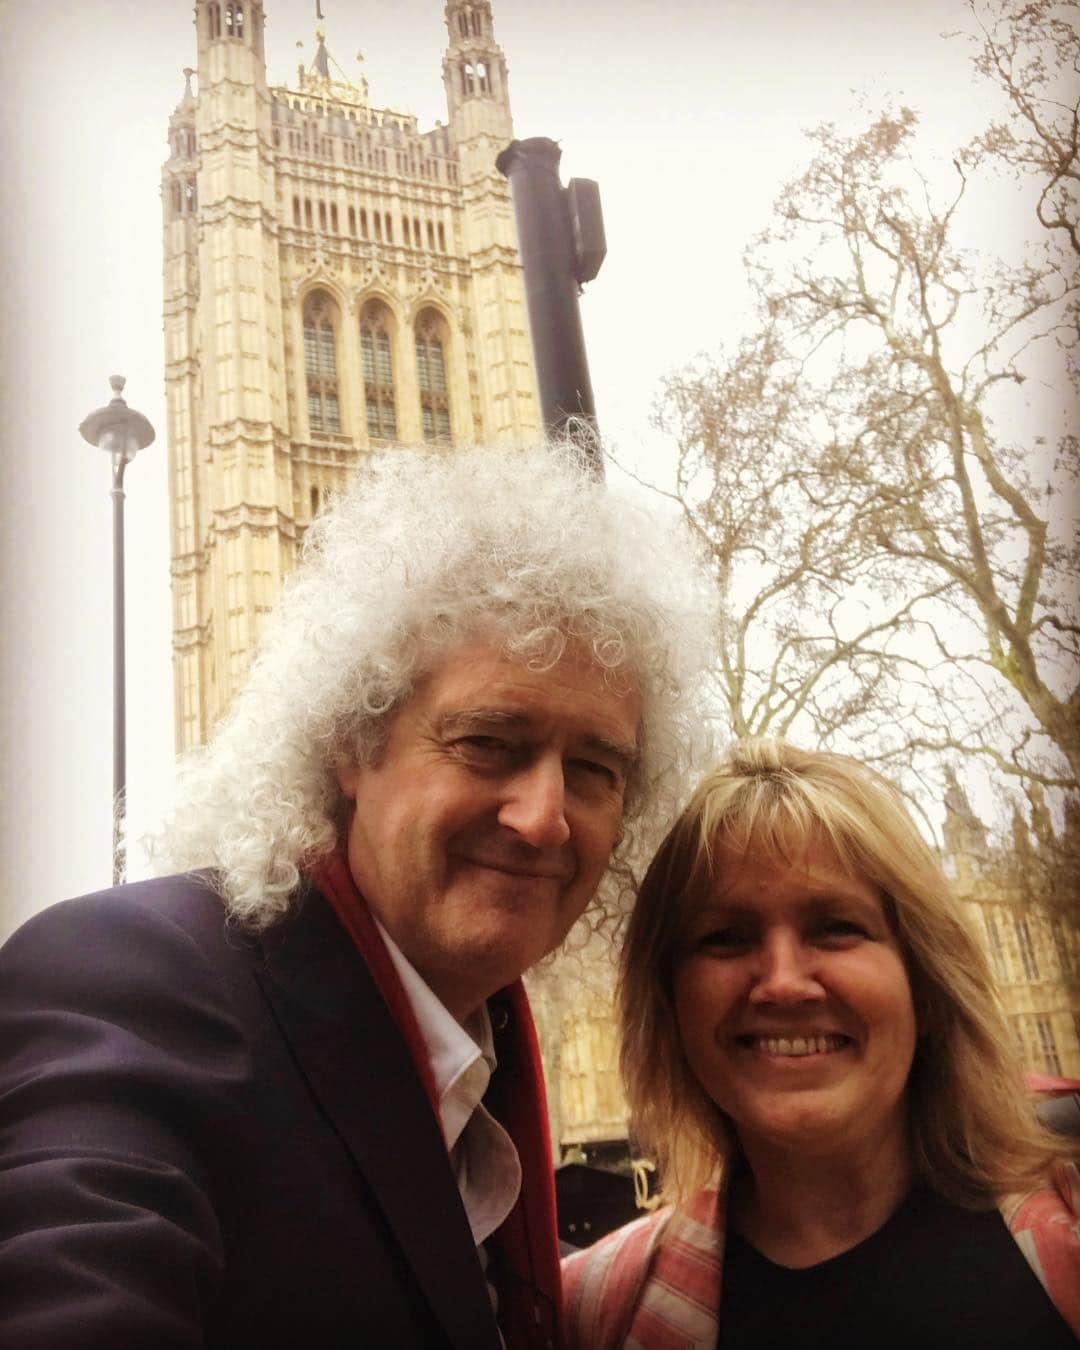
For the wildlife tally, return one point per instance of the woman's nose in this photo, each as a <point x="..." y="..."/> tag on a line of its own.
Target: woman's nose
<point x="786" y="971"/>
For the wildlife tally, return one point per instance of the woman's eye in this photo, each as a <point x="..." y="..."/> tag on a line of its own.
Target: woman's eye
<point x="725" y="939"/>
<point x="841" y="928"/>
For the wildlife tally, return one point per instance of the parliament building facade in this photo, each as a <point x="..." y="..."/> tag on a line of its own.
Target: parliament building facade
<point x="337" y="281"/>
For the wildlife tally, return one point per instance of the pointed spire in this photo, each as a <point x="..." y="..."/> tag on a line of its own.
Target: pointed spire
<point x="186" y="107"/>
<point x="955" y="797"/>
<point x="964" y="833"/>
<point x="1041" y="824"/>
<point x="320" y="66"/>
<point x="319" y="71"/>
<point x="322" y="56"/>
<point x="1021" y="835"/>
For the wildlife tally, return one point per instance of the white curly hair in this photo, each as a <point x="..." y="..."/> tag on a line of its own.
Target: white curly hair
<point x="419" y="555"/>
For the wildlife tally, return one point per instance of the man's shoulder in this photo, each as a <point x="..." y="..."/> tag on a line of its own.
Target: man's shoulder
<point x="184" y="909"/>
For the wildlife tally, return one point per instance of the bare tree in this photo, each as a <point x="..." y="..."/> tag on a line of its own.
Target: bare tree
<point x="806" y="647"/>
<point x="1032" y="53"/>
<point x="896" y="545"/>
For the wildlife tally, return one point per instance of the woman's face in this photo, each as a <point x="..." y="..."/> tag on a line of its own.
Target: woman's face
<point x="795" y="1009"/>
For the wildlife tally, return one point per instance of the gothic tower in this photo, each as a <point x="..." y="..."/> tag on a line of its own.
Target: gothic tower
<point x="1013" y="896"/>
<point x="478" y="103"/>
<point x="337" y="283"/>
<point x="228" y="425"/>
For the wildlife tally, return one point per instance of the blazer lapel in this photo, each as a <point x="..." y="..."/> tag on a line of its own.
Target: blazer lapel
<point x="358" y="1066"/>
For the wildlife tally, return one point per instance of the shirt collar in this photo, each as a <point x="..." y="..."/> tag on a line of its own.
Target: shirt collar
<point x="485" y="1162"/>
<point x="462" y="1057"/>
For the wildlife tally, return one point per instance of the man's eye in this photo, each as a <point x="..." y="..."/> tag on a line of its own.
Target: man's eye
<point x="487" y="748"/>
<point x="592" y="768"/>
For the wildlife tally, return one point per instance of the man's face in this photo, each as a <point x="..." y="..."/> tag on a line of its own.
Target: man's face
<point x="484" y="829"/>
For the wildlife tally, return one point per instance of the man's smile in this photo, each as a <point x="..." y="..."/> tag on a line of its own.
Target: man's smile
<point x="538" y="869"/>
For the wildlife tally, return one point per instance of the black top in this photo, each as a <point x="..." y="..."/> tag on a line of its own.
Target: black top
<point x="933" y="1275"/>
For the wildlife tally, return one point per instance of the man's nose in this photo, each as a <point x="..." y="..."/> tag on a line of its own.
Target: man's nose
<point x="786" y="971"/>
<point x="535" y="804"/>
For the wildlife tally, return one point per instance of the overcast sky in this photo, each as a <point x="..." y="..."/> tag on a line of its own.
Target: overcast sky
<point x="690" y="117"/>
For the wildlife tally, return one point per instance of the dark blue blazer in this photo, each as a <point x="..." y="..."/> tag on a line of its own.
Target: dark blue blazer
<point x="209" y="1139"/>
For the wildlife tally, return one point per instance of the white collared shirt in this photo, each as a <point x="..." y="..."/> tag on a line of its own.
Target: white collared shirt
<point x="485" y="1162"/>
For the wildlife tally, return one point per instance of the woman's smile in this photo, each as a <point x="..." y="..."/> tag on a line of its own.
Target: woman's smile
<point x="813" y="1045"/>
<point x="794" y="1004"/>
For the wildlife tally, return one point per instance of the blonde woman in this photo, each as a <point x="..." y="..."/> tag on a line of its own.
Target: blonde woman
<point x="814" y="1053"/>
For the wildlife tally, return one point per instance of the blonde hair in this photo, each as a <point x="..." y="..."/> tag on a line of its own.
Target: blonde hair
<point x="974" y="1135"/>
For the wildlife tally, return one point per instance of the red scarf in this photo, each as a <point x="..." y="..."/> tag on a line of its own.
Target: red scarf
<point x="525" y="1248"/>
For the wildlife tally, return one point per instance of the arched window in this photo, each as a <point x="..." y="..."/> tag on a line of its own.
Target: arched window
<point x="1048" y="1046"/>
<point x="234" y="20"/>
<point x="1027" y="949"/>
<point x="376" y="352"/>
<point x="431" y="370"/>
<point x="482" y="77"/>
<point x="320" y="363"/>
<point x="214" y="20"/>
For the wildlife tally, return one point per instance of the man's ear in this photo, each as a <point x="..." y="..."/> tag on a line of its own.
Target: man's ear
<point x="348" y="775"/>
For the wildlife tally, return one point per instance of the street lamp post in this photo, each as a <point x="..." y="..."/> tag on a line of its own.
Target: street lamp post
<point x="121" y="432"/>
<point x="562" y="245"/>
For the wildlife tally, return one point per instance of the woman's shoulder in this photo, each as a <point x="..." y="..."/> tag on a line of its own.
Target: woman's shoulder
<point x="603" y="1285"/>
<point x="1045" y="1223"/>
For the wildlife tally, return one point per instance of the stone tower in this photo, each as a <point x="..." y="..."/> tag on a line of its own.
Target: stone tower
<point x="337" y="282"/>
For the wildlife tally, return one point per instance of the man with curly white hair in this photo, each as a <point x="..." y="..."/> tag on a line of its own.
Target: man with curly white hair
<point x="289" y="1094"/>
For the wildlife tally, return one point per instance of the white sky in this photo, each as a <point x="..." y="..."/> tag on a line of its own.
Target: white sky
<point x="690" y="118"/>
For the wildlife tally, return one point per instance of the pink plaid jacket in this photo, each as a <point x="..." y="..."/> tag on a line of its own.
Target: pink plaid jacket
<point x="655" y="1284"/>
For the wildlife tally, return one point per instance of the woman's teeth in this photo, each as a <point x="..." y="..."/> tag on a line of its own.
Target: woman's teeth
<point x="799" y="1045"/>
